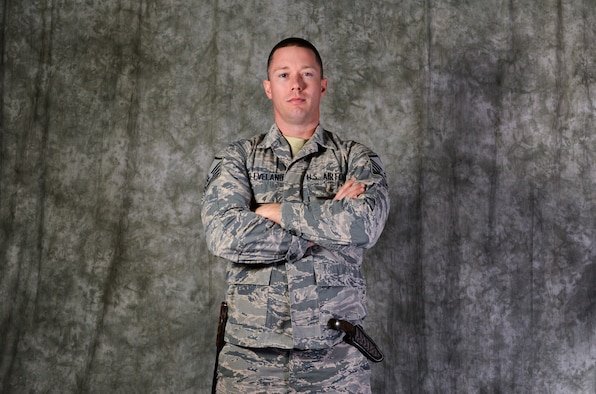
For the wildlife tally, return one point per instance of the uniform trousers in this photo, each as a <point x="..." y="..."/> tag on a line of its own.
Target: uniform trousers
<point x="339" y="369"/>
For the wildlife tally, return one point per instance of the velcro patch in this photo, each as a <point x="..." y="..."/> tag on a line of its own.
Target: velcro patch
<point x="376" y="165"/>
<point x="214" y="171"/>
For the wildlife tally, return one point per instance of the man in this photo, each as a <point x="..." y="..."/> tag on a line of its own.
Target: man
<point x="292" y="210"/>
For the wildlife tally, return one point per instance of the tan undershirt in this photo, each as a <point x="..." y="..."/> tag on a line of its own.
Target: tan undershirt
<point x="295" y="144"/>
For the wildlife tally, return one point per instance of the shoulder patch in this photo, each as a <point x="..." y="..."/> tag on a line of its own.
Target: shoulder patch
<point x="376" y="164"/>
<point x="214" y="171"/>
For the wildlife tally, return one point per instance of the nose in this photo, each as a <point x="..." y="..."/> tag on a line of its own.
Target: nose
<point x="297" y="83"/>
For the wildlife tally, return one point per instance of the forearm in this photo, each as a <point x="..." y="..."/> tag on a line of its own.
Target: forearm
<point x="270" y="211"/>
<point x="243" y="237"/>
<point x="335" y="223"/>
<point x="235" y="232"/>
<point x="350" y="190"/>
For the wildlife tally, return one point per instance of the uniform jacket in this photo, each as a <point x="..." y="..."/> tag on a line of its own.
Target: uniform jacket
<point x="286" y="281"/>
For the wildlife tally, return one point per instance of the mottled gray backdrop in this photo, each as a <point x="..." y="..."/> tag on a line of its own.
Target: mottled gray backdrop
<point x="483" y="112"/>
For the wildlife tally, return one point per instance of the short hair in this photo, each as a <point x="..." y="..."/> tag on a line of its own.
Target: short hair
<point x="295" y="42"/>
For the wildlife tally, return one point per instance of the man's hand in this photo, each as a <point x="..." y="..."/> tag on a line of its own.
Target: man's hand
<point x="270" y="211"/>
<point x="350" y="189"/>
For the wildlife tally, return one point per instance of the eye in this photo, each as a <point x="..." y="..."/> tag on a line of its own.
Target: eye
<point x="283" y="75"/>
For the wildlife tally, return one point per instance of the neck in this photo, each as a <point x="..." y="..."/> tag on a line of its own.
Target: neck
<point x="299" y="131"/>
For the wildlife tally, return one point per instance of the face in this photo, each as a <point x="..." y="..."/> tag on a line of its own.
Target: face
<point x="295" y="87"/>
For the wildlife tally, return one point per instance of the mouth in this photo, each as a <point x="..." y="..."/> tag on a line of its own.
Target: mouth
<point x="296" y="100"/>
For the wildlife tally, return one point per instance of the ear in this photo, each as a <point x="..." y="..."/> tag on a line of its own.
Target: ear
<point x="267" y="87"/>
<point x="324" y="82"/>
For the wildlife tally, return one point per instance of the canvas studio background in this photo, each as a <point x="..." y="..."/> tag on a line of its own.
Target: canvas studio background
<point x="482" y="112"/>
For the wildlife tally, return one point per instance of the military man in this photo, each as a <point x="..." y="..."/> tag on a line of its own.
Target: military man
<point x="292" y="210"/>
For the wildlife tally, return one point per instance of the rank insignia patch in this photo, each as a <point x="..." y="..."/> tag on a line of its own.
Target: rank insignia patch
<point x="376" y="164"/>
<point x="214" y="171"/>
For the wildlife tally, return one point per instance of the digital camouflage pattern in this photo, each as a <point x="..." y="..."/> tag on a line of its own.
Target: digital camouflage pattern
<point x="270" y="370"/>
<point x="282" y="291"/>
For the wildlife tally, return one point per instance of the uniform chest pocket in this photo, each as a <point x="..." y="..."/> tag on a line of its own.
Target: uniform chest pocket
<point x="266" y="186"/>
<point x="325" y="186"/>
<point x="321" y="191"/>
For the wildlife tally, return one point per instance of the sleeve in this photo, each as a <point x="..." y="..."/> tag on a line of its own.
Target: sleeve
<point x="347" y="222"/>
<point x="232" y="230"/>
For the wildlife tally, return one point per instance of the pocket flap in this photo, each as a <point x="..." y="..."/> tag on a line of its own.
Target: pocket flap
<point x="249" y="274"/>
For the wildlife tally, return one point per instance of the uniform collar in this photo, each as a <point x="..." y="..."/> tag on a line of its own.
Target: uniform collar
<point x="274" y="139"/>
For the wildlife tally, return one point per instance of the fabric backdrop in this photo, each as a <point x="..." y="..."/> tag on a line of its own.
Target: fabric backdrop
<point x="482" y="111"/>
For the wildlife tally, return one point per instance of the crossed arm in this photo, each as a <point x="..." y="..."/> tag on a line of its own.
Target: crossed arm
<point x="351" y="189"/>
<point x="354" y="217"/>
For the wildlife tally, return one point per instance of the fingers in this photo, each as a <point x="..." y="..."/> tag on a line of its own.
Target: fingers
<point x="342" y="192"/>
<point x="356" y="190"/>
<point x="351" y="189"/>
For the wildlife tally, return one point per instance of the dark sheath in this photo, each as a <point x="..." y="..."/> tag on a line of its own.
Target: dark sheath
<point x="356" y="337"/>
<point x="220" y="339"/>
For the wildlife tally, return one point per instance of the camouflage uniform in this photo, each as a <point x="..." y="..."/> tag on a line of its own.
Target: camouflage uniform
<point x="339" y="369"/>
<point x="282" y="291"/>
